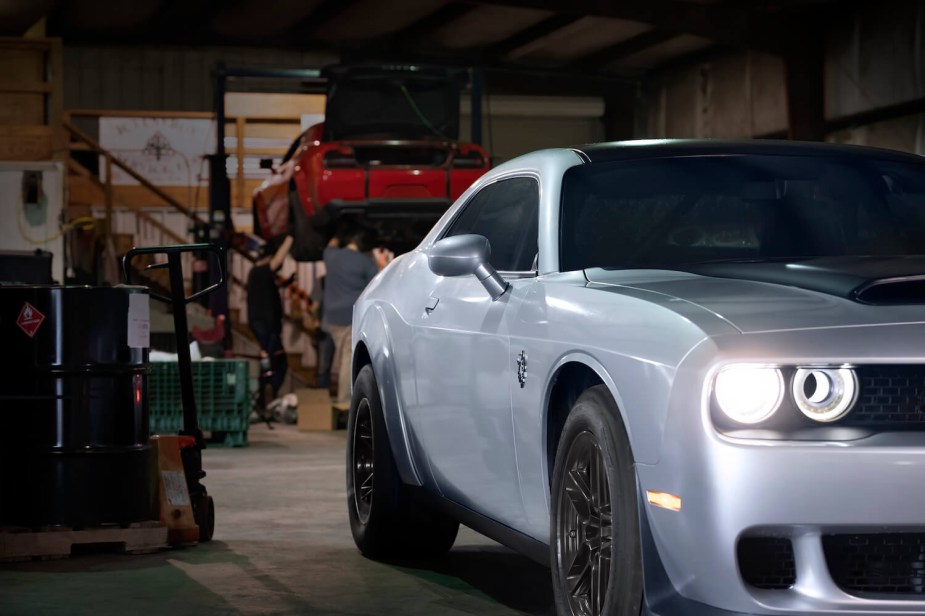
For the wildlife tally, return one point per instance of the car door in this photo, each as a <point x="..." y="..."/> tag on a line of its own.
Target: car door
<point x="463" y="366"/>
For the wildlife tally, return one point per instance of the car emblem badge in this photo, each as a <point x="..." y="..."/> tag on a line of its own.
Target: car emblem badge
<point x="522" y="368"/>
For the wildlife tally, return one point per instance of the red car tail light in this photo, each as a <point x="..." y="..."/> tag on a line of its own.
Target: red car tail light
<point x="340" y="158"/>
<point x="469" y="159"/>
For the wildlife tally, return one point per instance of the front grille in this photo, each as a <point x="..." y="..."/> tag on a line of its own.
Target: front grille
<point x="877" y="563"/>
<point x="890" y="397"/>
<point x="767" y="562"/>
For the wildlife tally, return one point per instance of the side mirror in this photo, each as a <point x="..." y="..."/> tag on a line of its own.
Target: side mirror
<point x="462" y="255"/>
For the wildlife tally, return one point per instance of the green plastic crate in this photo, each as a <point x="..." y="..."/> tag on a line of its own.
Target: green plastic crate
<point x="222" y="398"/>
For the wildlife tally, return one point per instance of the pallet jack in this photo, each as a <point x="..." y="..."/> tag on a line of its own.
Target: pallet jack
<point x="185" y="507"/>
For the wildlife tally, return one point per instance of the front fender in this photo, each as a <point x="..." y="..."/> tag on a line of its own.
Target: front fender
<point x="376" y="334"/>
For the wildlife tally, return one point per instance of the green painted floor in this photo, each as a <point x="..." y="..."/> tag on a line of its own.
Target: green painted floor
<point x="282" y="546"/>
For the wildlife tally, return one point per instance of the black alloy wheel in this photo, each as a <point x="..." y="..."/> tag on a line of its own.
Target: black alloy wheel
<point x="585" y="527"/>
<point x="595" y="552"/>
<point x="386" y="520"/>
<point x="363" y="461"/>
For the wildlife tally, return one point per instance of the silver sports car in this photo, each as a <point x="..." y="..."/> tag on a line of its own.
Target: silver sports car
<point x="687" y="375"/>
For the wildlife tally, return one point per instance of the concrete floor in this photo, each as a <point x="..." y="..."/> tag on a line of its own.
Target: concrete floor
<point x="282" y="545"/>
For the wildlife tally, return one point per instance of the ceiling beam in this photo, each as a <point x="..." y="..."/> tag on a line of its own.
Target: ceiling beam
<point x="301" y="33"/>
<point x="601" y="58"/>
<point x="175" y="20"/>
<point x="724" y="23"/>
<point x="423" y="27"/>
<point x="528" y="35"/>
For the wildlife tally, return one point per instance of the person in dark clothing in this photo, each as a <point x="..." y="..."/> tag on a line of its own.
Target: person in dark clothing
<point x="265" y="311"/>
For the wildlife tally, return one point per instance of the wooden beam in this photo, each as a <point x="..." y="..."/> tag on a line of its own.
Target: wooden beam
<point x="623" y="49"/>
<point x="176" y="20"/>
<point x="528" y="35"/>
<point x="301" y="34"/>
<point x="27" y="88"/>
<point x="422" y="28"/>
<point x="724" y="23"/>
<point x="121" y="113"/>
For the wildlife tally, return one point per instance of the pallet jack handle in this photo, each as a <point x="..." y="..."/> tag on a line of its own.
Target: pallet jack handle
<point x="190" y="452"/>
<point x="178" y="300"/>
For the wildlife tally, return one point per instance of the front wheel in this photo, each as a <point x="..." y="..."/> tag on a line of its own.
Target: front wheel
<point x="385" y="519"/>
<point x="594" y="530"/>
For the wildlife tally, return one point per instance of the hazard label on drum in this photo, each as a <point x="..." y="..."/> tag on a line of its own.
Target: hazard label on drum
<point x="29" y="319"/>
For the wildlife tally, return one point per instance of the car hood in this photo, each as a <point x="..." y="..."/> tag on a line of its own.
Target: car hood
<point x="402" y="102"/>
<point x="804" y="294"/>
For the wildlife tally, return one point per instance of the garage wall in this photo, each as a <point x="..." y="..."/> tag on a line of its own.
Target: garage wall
<point x="515" y="125"/>
<point x="737" y="95"/>
<point x="180" y="79"/>
<point x="161" y="79"/>
<point x="875" y="58"/>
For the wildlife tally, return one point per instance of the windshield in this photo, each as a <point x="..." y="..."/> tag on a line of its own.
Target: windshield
<point x="659" y="213"/>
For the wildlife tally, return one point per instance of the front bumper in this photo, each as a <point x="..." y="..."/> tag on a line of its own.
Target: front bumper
<point x="795" y="492"/>
<point x="800" y="492"/>
<point x="401" y="208"/>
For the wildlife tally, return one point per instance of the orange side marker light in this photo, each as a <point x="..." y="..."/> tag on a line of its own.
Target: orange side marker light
<point x="664" y="500"/>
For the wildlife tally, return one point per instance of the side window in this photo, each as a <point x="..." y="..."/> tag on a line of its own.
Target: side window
<point x="507" y="213"/>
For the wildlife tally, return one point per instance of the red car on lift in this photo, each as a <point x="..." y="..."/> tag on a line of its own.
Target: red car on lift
<point x="387" y="156"/>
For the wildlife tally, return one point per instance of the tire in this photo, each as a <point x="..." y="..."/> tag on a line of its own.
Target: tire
<point x="386" y="521"/>
<point x="593" y="496"/>
<point x="205" y="517"/>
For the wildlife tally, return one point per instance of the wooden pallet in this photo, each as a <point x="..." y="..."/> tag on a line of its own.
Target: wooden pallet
<point x="23" y="544"/>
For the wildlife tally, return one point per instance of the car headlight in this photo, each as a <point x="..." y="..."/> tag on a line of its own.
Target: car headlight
<point x="749" y="394"/>
<point x="825" y="394"/>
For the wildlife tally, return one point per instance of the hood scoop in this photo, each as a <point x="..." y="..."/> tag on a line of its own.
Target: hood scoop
<point x="867" y="280"/>
<point x="885" y="291"/>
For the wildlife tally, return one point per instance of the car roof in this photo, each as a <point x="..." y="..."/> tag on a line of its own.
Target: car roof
<point x="623" y="150"/>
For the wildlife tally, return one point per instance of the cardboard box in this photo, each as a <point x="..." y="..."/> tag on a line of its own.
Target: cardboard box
<point x="315" y="410"/>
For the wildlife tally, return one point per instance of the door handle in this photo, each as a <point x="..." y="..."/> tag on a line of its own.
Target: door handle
<point x="431" y="304"/>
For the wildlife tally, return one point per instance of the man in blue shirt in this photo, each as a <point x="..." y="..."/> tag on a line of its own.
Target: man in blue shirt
<point x="348" y="269"/>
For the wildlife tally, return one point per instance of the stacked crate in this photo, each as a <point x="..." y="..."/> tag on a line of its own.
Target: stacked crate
<point x="221" y="389"/>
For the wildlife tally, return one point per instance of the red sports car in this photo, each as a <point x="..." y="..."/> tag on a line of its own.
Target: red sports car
<point x="387" y="156"/>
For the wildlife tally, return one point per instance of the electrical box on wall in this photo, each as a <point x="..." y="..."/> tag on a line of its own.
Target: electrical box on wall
<point x="32" y="200"/>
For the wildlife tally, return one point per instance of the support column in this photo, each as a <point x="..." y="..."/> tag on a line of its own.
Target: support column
<point x="805" y="82"/>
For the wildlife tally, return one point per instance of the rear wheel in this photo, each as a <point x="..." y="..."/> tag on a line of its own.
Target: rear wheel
<point x="204" y="514"/>
<point x="385" y="520"/>
<point x="595" y="552"/>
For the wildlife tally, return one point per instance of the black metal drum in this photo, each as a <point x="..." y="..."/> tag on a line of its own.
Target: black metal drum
<point x="73" y="406"/>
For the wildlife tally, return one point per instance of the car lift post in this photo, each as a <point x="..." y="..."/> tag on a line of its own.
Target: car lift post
<point x="221" y="226"/>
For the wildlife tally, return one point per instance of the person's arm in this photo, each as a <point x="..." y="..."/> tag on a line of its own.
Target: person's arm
<point x="281" y="253"/>
<point x="382" y="257"/>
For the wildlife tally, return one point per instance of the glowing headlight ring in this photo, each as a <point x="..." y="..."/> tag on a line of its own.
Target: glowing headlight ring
<point x="749" y="394"/>
<point x="824" y="394"/>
